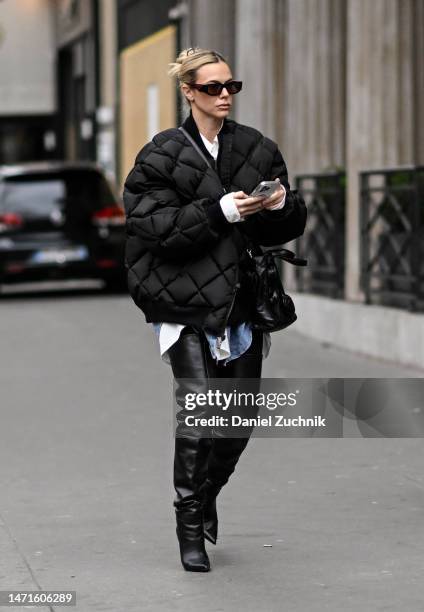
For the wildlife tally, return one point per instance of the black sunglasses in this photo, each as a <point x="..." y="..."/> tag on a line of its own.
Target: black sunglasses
<point x="215" y="89"/>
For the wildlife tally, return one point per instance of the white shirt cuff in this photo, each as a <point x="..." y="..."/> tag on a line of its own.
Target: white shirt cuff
<point x="229" y="208"/>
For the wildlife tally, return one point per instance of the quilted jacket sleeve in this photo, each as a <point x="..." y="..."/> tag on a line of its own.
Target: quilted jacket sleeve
<point x="155" y="214"/>
<point x="275" y="227"/>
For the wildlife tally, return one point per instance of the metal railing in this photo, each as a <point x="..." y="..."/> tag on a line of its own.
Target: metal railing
<point x="392" y="249"/>
<point x="323" y="242"/>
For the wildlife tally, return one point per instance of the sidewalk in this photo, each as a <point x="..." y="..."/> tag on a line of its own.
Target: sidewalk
<point x="86" y="480"/>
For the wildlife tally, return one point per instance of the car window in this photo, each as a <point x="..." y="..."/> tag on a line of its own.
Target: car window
<point x="37" y="198"/>
<point x="38" y="195"/>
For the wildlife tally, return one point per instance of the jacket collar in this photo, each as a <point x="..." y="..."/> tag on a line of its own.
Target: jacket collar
<point x="225" y="139"/>
<point x="191" y="126"/>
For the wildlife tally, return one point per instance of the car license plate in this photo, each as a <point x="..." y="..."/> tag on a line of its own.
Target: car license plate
<point x="59" y="255"/>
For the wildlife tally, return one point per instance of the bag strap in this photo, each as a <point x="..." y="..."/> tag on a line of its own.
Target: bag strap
<point x="280" y="253"/>
<point x="288" y="256"/>
<point x="196" y="147"/>
<point x="202" y="155"/>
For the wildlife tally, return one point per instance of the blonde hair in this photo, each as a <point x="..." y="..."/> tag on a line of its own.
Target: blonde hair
<point x="189" y="61"/>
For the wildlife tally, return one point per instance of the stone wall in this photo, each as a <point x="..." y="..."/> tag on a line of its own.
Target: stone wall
<point x="337" y="83"/>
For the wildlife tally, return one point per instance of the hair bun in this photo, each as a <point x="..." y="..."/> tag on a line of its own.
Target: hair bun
<point x="187" y="63"/>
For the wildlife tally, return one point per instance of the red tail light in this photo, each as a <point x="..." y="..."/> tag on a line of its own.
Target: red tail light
<point x="9" y="220"/>
<point x="106" y="263"/>
<point x="110" y="215"/>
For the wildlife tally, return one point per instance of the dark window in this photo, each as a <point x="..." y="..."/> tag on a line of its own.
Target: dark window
<point x="140" y="18"/>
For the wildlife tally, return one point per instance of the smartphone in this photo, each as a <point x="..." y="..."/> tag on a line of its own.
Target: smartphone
<point x="265" y="189"/>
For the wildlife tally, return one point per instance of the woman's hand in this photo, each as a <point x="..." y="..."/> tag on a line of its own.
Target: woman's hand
<point x="246" y="205"/>
<point x="276" y="197"/>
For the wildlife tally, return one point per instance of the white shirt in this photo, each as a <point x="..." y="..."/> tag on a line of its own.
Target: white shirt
<point x="170" y="332"/>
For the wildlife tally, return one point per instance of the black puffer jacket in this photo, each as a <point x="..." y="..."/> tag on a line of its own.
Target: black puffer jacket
<point x="182" y="255"/>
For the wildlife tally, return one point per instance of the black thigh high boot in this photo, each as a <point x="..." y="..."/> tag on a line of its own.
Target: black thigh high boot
<point x="225" y="451"/>
<point x="192" y="449"/>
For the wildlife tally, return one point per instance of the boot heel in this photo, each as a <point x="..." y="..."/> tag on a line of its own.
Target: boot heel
<point x="210" y="524"/>
<point x="209" y="494"/>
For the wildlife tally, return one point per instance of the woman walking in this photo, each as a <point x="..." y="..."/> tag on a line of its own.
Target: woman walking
<point x="190" y="221"/>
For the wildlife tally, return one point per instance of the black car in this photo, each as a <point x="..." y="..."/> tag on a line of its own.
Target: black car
<point x="60" y="220"/>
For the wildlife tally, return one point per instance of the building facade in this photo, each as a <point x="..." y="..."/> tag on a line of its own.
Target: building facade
<point x="339" y="84"/>
<point x="28" y="107"/>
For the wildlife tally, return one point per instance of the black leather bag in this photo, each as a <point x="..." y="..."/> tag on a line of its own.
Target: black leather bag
<point x="275" y="309"/>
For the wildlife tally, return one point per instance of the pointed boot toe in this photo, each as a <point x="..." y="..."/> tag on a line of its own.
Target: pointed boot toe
<point x="191" y="540"/>
<point x="193" y="558"/>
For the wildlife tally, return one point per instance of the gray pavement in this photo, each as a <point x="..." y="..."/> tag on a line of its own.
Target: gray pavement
<point x="86" y="479"/>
